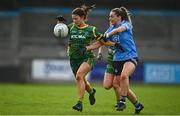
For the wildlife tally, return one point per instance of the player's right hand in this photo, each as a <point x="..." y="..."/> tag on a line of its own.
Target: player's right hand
<point x="60" y="18"/>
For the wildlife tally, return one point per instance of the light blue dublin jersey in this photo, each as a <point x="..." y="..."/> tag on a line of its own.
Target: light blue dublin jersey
<point x="126" y="41"/>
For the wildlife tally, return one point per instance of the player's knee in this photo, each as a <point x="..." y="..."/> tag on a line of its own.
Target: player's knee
<point x="79" y="76"/>
<point x="124" y="76"/>
<point x="116" y="85"/>
<point x="107" y="86"/>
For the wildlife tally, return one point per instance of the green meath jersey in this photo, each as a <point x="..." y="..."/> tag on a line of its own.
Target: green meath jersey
<point x="110" y="54"/>
<point x="109" y="67"/>
<point x="81" y="37"/>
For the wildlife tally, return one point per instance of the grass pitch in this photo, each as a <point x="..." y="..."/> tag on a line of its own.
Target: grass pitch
<point x="40" y="99"/>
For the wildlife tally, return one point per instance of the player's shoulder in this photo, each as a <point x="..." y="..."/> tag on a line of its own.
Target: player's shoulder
<point x="127" y="24"/>
<point x="91" y="27"/>
<point x="111" y="27"/>
<point x="70" y="25"/>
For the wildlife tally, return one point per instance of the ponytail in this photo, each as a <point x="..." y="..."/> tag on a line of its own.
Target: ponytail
<point x="87" y="9"/>
<point x="83" y="10"/>
<point x="126" y="14"/>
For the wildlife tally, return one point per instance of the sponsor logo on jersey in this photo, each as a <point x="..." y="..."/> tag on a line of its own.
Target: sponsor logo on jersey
<point x="78" y="36"/>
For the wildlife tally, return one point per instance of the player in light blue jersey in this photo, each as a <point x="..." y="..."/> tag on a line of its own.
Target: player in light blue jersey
<point x="125" y="56"/>
<point x="110" y="80"/>
<point x="122" y="35"/>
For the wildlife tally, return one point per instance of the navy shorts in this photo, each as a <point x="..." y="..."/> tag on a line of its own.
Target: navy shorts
<point x="118" y="65"/>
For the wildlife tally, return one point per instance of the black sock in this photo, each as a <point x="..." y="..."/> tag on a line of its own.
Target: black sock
<point x="123" y="98"/>
<point x="79" y="101"/>
<point x="136" y="104"/>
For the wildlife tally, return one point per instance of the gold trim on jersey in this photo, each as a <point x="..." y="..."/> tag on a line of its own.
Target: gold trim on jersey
<point x="72" y="26"/>
<point x="99" y="37"/>
<point x="81" y="27"/>
<point x="94" y="33"/>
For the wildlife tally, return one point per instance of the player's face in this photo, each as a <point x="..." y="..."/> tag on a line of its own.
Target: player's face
<point x="113" y="18"/>
<point x="77" y="19"/>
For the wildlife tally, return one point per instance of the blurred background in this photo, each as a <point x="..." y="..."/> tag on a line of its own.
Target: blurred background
<point x="29" y="52"/>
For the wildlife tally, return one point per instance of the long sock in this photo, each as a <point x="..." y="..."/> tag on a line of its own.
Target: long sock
<point x="123" y="98"/>
<point x="91" y="91"/>
<point x="80" y="100"/>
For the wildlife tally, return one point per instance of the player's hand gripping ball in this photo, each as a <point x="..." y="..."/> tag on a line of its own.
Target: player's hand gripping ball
<point x="61" y="30"/>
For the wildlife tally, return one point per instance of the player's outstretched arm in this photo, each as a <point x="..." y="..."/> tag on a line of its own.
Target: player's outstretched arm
<point x="115" y="31"/>
<point x="94" y="45"/>
<point x="100" y="43"/>
<point x="107" y="43"/>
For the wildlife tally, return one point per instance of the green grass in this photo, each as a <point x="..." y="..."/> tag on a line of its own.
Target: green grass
<point x="58" y="100"/>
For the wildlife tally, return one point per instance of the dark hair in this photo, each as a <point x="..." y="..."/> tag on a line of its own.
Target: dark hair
<point x="123" y="12"/>
<point x="83" y="10"/>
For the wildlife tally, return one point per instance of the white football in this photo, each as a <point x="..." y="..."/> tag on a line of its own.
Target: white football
<point x="61" y="30"/>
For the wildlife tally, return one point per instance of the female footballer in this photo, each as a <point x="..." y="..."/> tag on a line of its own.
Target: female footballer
<point x="81" y="60"/>
<point x="110" y="80"/>
<point x="125" y="56"/>
<point x="117" y="16"/>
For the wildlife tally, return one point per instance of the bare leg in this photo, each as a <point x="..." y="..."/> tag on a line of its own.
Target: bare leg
<point x="131" y="96"/>
<point x="117" y="88"/>
<point x="128" y="69"/>
<point x="108" y="81"/>
<point x="81" y="73"/>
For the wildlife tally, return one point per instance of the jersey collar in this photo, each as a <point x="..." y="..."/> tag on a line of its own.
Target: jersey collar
<point x="119" y="24"/>
<point x="82" y="27"/>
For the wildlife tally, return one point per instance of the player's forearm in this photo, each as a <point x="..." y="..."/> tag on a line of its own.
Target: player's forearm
<point x="94" y="46"/>
<point x="108" y="43"/>
<point x="115" y="31"/>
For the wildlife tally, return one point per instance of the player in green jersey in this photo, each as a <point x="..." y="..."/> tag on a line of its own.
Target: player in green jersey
<point x="81" y="59"/>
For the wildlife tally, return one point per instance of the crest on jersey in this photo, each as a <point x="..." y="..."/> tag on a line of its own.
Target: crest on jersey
<point x="115" y="38"/>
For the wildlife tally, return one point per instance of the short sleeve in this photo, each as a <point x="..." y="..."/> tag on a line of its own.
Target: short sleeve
<point x="127" y="25"/>
<point x="70" y="26"/>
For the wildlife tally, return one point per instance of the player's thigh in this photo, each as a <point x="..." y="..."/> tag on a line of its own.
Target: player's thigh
<point x="75" y="64"/>
<point x="108" y="80"/>
<point x="128" y="69"/>
<point x="116" y="82"/>
<point x="83" y="70"/>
